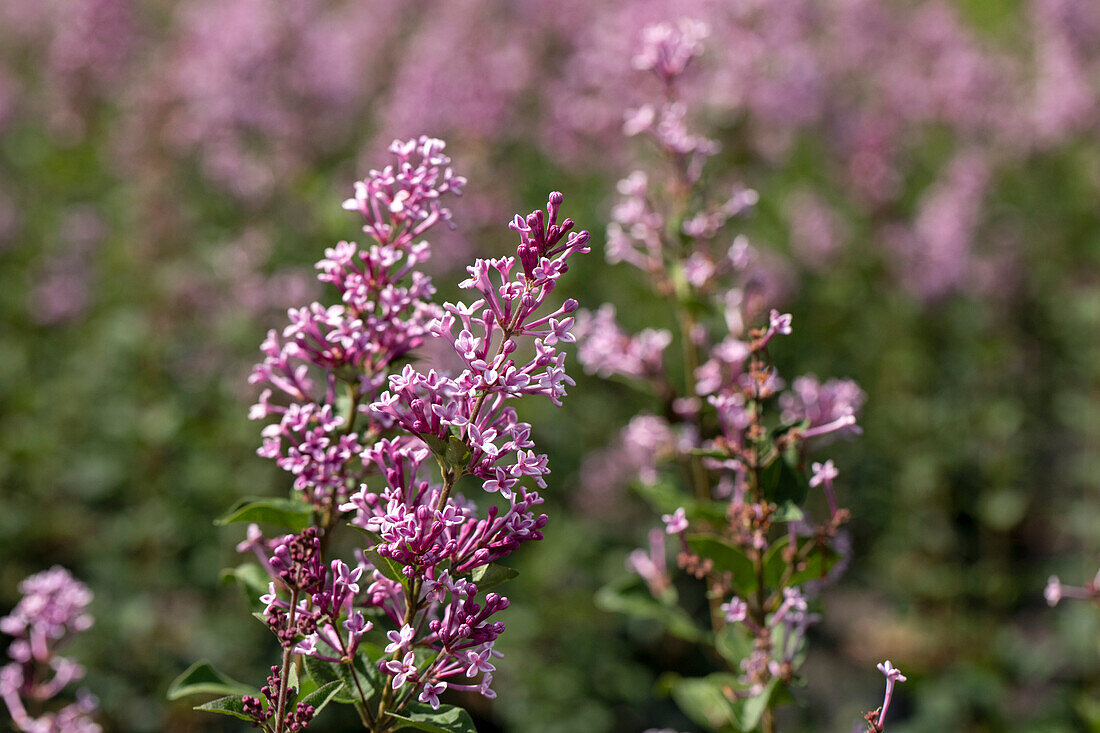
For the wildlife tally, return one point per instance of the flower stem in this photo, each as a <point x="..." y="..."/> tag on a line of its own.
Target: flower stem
<point x="288" y="656"/>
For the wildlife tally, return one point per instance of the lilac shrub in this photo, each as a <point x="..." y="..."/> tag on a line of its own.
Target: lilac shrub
<point x="376" y="443"/>
<point x="726" y="461"/>
<point x="54" y="608"/>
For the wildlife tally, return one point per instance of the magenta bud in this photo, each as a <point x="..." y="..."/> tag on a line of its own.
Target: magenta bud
<point x="569" y="306"/>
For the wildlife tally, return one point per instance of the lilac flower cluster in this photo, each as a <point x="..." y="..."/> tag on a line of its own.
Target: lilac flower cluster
<point x="869" y="79"/>
<point x="369" y="457"/>
<point x="83" y="48"/>
<point x="53" y="608"/>
<point x="825" y="408"/>
<point x="786" y="627"/>
<point x="743" y="473"/>
<point x="384" y="314"/>
<point x="295" y="719"/>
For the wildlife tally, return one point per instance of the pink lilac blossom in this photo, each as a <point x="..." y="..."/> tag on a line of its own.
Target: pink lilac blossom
<point x="733" y="458"/>
<point x="257" y="89"/>
<point x="818" y="233"/>
<point x="870" y="80"/>
<point x="652" y="566"/>
<point x="385" y="314"/>
<point x="53" y="608"/>
<point x="412" y="421"/>
<point x="643" y="445"/>
<point x="467" y="90"/>
<point x="786" y="626"/>
<point x="1055" y="590"/>
<point x="876" y="718"/>
<point x="1067" y="35"/>
<point x="296" y="718"/>
<point x="80" y="50"/>
<point x="828" y="407"/>
<point x="607" y="351"/>
<point x="934" y="254"/>
<point x="63" y="281"/>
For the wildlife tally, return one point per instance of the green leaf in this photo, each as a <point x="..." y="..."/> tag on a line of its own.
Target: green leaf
<point x="231" y="705"/>
<point x="818" y="564"/>
<point x="734" y="643"/>
<point x="782" y="482"/>
<point x="386" y="566"/>
<point x="202" y="678"/>
<point x="323" y="695"/>
<point x="726" y="559"/>
<point x="457" y="454"/>
<point x="292" y="682"/>
<point x="251" y="579"/>
<point x="703" y="699"/>
<point x="448" y="719"/>
<point x="752" y="710"/>
<point x="306" y="685"/>
<point x="325" y="673"/>
<point x="630" y="595"/>
<point x="710" y="453"/>
<point x="774" y="564"/>
<point x="289" y="514"/>
<point x="788" y="511"/>
<point x="322" y="672"/>
<point x="435" y="443"/>
<point x="490" y="575"/>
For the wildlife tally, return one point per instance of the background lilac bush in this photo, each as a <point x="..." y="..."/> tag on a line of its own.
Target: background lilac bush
<point x="927" y="178"/>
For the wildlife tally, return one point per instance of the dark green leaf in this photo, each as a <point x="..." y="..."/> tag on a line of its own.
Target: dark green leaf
<point x="490" y="575"/>
<point x="782" y="482"/>
<point x="231" y="705"/>
<point x="726" y="559"/>
<point x="325" y="673"/>
<point x="306" y="686"/>
<point x="457" y="454"/>
<point x="289" y="514"/>
<point x="448" y="719"/>
<point x="774" y="564"/>
<point x="436" y="444"/>
<point x="323" y="695"/>
<point x="202" y="678"/>
<point x="386" y="566"/>
<point x="322" y="672"/>
<point x="818" y="565"/>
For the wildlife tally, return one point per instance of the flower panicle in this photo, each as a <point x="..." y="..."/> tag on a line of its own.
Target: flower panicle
<point x="369" y="461"/>
<point x="53" y="608"/>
